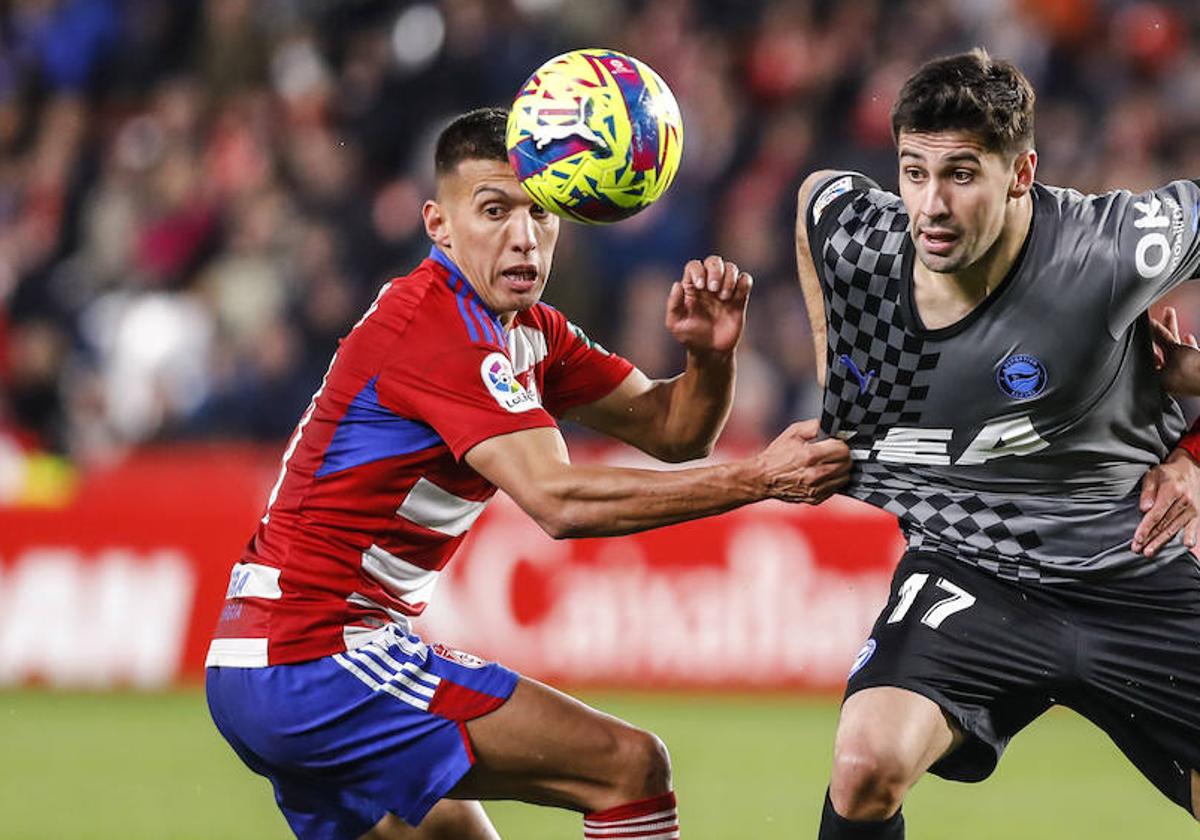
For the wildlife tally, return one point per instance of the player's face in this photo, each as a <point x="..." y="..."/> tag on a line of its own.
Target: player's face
<point x="956" y="192"/>
<point x="502" y="241"/>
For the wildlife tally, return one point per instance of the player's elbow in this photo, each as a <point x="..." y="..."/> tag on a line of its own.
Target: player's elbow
<point x="559" y="526"/>
<point x="678" y="451"/>
<point x="686" y="452"/>
<point x="556" y="516"/>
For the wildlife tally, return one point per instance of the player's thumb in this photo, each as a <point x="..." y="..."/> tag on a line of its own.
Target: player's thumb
<point x="675" y="305"/>
<point x="806" y="429"/>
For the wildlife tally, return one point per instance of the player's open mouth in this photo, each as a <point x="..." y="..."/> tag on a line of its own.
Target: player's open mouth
<point x="521" y="278"/>
<point x="939" y="241"/>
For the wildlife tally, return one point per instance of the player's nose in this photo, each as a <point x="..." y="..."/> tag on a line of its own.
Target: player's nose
<point x="933" y="201"/>
<point x="523" y="232"/>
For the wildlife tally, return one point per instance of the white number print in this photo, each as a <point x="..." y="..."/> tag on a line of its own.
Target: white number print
<point x="959" y="600"/>
<point x="908" y="593"/>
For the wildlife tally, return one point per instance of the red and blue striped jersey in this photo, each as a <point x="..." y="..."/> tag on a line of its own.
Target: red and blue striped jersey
<point x="373" y="496"/>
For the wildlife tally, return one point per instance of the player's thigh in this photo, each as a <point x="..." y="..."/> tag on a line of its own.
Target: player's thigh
<point x="893" y="731"/>
<point x="348" y="738"/>
<point x="981" y="650"/>
<point x="448" y="820"/>
<point x="546" y="747"/>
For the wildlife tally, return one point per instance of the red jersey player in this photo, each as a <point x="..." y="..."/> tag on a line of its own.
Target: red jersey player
<point x="447" y="388"/>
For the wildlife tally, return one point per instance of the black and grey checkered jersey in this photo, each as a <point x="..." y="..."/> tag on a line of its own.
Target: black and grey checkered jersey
<point x="1016" y="438"/>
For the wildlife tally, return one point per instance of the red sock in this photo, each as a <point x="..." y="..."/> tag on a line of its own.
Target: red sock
<point x="647" y="819"/>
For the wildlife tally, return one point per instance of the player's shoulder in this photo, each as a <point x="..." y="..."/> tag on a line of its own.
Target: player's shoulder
<point x="541" y="316"/>
<point x="837" y="196"/>
<point x="1069" y="205"/>
<point x="437" y="307"/>
<point x="1106" y="210"/>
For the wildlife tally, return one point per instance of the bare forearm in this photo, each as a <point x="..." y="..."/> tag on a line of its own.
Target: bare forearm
<point x="594" y="501"/>
<point x="695" y="406"/>
<point x="569" y="500"/>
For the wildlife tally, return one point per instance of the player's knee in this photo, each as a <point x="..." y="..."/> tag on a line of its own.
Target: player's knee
<point x="644" y="764"/>
<point x="867" y="784"/>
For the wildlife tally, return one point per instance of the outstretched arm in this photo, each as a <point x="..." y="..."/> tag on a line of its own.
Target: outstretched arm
<point x="680" y="418"/>
<point x="570" y="500"/>
<point x="810" y="283"/>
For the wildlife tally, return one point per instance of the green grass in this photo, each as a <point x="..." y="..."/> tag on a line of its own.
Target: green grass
<point x="151" y="766"/>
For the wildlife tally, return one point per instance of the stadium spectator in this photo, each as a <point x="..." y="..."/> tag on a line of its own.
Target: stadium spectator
<point x="325" y="111"/>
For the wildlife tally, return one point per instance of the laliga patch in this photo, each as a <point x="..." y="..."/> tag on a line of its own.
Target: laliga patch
<point x="864" y="656"/>
<point x="839" y="187"/>
<point x="467" y="660"/>
<point x="502" y="384"/>
<point x="1021" y="377"/>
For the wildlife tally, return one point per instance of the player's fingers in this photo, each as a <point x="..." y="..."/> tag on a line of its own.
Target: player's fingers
<point x="1168" y="529"/>
<point x="1155" y="507"/>
<point x="1162" y="333"/>
<point x="1190" y="341"/>
<point x="693" y="274"/>
<point x="1171" y="318"/>
<point x="829" y="450"/>
<point x="729" y="280"/>
<point x="1149" y="489"/>
<point x="1190" y="532"/>
<point x="741" y="291"/>
<point x="714" y="270"/>
<point x="1165" y="510"/>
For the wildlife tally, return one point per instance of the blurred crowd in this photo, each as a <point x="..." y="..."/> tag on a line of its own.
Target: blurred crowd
<point x="199" y="197"/>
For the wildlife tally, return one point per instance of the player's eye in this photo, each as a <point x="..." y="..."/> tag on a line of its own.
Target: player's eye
<point x="913" y="174"/>
<point x="539" y="212"/>
<point x="493" y="211"/>
<point x="963" y="176"/>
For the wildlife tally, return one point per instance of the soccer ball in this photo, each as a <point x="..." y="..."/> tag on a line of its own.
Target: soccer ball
<point x="595" y="136"/>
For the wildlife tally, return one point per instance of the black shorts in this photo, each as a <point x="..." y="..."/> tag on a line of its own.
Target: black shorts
<point x="995" y="654"/>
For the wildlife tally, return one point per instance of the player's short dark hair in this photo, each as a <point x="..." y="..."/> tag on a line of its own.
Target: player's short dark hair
<point x="476" y="135"/>
<point x="972" y="92"/>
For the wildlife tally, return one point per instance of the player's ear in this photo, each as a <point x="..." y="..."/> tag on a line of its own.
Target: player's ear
<point x="435" y="223"/>
<point x="1024" y="166"/>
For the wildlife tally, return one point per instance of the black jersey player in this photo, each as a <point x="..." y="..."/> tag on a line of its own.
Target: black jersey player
<point x="987" y="357"/>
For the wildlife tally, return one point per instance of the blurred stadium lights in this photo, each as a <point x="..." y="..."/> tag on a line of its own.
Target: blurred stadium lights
<point x="417" y="37"/>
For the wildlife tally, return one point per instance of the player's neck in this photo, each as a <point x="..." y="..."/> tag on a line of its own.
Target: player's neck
<point x="944" y="299"/>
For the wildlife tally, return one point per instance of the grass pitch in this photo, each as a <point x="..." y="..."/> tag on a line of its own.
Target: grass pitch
<point x="131" y="766"/>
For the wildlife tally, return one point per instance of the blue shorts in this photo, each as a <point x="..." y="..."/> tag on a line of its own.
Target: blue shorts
<point x="349" y="737"/>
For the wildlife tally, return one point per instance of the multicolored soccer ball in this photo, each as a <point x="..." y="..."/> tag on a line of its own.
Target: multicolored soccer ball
<point x="595" y="136"/>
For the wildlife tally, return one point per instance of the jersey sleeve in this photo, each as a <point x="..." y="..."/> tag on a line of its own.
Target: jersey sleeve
<point x="1155" y="246"/>
<point x="465" y="390"/>
<point x="578" y="370"/>
<point x="825" y="204"/>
